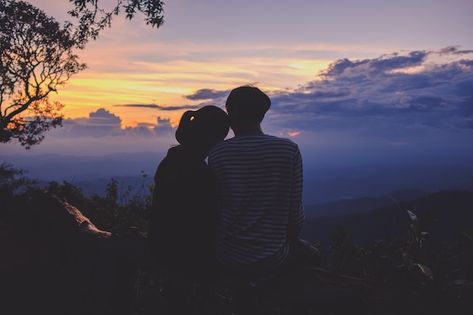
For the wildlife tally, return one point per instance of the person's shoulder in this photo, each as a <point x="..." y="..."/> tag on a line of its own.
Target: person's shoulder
<point x="244" y="141"/>
<point x="168" y="163"/>
<point x="236" y="142"/>
<point x="282" y="141"/>
<point x="220" y="147"/>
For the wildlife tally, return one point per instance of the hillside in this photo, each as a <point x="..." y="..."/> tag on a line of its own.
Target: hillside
<point x="67" y="253"/>
<point x="444" y="215"/>
<point x="359" y="205"/>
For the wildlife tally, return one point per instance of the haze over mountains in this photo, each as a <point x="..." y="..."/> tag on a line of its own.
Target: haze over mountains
<point x="324" y="181"/>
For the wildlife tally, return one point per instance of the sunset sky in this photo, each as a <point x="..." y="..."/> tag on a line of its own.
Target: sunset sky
<point x="222" y="44"/>
<point x="354" y="80"/>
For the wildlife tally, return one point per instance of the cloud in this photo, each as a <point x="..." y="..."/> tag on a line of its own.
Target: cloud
<point x="393" y="98"/>
<point x="207" y="94"/>
<point x="163" y="126"/>
<point x="101" y="133"/>
<point x="159" y="107"/>
<point x="454" y="50"/>
<point x="383" y="63"/>
<point x="99" y="123"/>
<point x="102" y="116"/>
<point x="103" y="123"/>
<point x="421" y="89"/>
<point x="397" y="107"/>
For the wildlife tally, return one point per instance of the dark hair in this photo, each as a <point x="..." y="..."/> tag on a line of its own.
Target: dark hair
<point x="204" y="127"/>
<point x="247" y="103"/>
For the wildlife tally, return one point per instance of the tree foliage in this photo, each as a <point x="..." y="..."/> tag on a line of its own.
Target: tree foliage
<point x="413" y="273"/>
<point x="37" y="56"/>
<point x="92" y="16"/>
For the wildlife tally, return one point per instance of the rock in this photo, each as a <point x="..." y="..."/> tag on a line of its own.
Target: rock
<point x="59" y="216"/>
<point x="56" y="261"/>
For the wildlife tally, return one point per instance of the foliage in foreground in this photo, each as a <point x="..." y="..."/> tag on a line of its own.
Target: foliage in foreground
<point x="413" y="274"/>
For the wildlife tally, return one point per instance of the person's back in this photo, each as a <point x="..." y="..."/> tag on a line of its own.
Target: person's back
<point x="259" y="179"/>
<point x="183" y="212"/>
<point x="182" y="224"/>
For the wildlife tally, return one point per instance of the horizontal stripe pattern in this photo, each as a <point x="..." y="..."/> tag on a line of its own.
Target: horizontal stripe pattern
<point x="259" y="178"/>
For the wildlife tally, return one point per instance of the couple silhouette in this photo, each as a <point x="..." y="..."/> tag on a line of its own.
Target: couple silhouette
<point x="242" y="211"/>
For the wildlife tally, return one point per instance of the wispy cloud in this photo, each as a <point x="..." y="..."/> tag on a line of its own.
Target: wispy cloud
<point x="166" y="72"/>
<point x="159" y="107"/>
<point x="207" y="94"/>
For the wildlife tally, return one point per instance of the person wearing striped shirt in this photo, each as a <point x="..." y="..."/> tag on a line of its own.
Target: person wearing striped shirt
<point x="259" y="180"/>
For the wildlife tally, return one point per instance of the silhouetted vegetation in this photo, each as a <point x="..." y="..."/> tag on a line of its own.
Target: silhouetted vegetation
<point x="425" y="267"/>
<point x="38" y="55"/>
<point x="92" y="16"/>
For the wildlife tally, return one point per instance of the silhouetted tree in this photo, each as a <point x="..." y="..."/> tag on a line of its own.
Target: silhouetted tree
<point x="93" y="17"/>
<point x="36" y="57"/>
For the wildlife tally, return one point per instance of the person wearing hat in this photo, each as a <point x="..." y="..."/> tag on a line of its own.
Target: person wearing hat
<point x="181" y="238"/>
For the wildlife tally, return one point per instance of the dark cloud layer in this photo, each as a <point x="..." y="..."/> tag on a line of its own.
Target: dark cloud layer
<point x="418" y="89"/>
<point x="383" y="63"/>
<point x="392" y="97"/>
<point x="159" y="107"/>
<point x="390" y="89"/>
<point x="409" y="98"/>
<point x="454" y="50"/>
<point x="207" y="94"/>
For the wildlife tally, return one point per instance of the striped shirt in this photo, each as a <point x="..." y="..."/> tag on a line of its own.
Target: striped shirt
<point x="259" y="178"/>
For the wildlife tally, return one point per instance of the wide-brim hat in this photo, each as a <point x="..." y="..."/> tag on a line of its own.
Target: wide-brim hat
<point x="205" y="126"/>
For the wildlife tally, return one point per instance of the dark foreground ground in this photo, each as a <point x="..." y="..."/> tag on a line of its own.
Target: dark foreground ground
<point x="55" y="260"/>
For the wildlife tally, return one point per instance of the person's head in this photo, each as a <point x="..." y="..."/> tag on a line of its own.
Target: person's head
<point x="203" y="128"/>
<point x="246" y="107"/>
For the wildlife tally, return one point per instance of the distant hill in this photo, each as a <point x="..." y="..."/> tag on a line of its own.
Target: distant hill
<point x="443" y="215"/>
<point x="128" y="186"/>
<point x="323" y="182"/>
<point x="72" y="168"/>
<point x="360" y="205"/>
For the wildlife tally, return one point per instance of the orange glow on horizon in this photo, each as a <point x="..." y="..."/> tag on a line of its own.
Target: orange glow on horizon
<point x="117" y="75"/>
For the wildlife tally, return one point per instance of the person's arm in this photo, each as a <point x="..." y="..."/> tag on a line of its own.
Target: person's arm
<point x="296" y="214"/>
